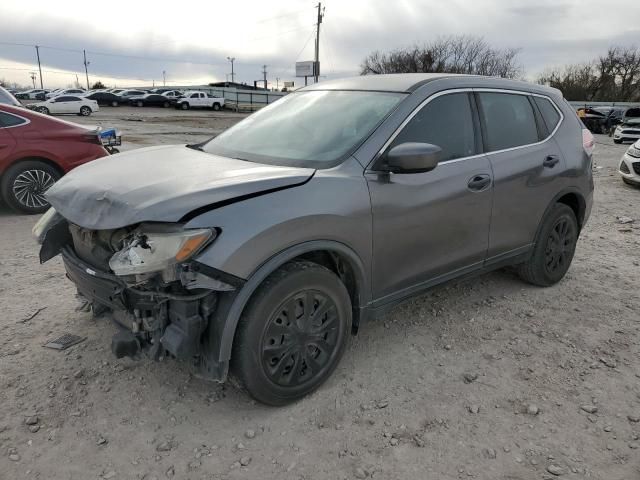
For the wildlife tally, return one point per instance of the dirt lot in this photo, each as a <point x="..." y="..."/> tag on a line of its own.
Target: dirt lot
<point x="487" y="378"/>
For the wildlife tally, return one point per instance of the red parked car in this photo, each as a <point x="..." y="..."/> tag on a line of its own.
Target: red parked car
<point x="35" y="151"/>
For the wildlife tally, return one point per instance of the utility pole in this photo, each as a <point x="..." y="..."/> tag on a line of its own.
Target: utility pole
<point x="277" y="83"/>
<point x="33" y="76"/>
<point x="164" y="78"/>
<point x="39" y="67"/>
<point x="232" y="59"/>
<point x="86" y="71"/>
<point x="316" y="66"/>
<point x="264" y="74"/>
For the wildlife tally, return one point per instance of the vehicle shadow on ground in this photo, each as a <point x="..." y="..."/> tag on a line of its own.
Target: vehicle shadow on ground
<point x="423" y="313"/>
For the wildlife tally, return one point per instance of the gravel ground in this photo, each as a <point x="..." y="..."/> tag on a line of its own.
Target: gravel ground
<point x="487" y="378"/>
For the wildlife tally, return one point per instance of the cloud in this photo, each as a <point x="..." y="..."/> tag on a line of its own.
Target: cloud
<point x="151" y="40"/>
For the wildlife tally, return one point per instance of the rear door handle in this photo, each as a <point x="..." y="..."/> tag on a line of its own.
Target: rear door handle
<point x="550" y="161"/>
<point x="478" y="183"/>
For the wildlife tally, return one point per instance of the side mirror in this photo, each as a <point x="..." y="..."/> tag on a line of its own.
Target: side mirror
<point x="413" y="157"/>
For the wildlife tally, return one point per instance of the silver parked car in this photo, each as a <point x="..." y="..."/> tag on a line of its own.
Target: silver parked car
<point x="263" y="249"/>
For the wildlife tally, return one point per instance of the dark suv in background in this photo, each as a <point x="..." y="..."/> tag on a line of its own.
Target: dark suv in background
<point x="262" y="249"/>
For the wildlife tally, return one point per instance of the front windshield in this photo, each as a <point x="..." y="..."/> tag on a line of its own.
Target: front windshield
<point x="308" y="128"/>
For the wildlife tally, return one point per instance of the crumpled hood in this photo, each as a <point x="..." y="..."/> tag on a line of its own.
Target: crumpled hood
<point x="161" y="184"/>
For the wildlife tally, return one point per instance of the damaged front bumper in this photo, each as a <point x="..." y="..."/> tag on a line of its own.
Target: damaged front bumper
<point x="170" y="313"/>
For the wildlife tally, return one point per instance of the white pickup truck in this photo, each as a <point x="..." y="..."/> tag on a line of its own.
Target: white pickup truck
<point x="196" y="99"/>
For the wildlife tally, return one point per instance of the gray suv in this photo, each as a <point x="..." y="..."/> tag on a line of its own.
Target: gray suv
<point x="261" y="250"/>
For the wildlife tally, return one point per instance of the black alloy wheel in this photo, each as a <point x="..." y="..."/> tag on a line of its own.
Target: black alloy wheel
<point x="554" y="248"/>
<point x="561" y="244"/>
<point x="300" y="338"/>
<point x="292" y="333"/>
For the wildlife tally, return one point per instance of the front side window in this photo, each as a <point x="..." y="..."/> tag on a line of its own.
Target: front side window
<point x="63" y="99"/>
<point x="508" y="119"/>
<point x="446" y="121"/>
<point x="195" y="95"/>
<point x="312" y="129"/>
<point x="8" y="120"/>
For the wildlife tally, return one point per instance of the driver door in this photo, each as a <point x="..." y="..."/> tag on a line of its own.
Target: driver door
<point x="428" y="227"/>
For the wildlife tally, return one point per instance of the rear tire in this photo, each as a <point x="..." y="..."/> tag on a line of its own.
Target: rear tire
<point x="292" y="333"/>
<point x="166" y="104"/>
<point x="216" y="106"/>
<point x="23" y="186"/>
<point x="140" y="104"/>
<point x="554" y="248"/>
<point x="114" y="104"/>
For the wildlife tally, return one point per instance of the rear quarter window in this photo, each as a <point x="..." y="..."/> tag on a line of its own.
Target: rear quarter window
<point x="8" y="120"/>
<point x="549" y="113"/>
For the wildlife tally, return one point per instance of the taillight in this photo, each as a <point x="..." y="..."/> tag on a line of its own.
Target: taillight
<point x="92" y="138"/>
<point x="588" y="142"/>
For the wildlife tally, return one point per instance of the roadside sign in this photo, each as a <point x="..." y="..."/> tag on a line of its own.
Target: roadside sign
<point x="306" y="69"/>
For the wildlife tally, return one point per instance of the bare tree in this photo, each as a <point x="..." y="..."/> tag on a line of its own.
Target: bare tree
<point x="454" y="54"/>
<point x="614" y="76"/>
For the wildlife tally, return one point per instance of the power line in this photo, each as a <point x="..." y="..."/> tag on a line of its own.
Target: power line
<point x="304" y="46"/>
<point x="290" y="14"/>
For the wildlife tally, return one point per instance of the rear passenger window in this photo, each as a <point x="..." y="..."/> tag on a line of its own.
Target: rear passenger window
<point x="8" y="120"/>
<point x="508" y="119"/>
<point x="549" y="113"/>
<point x="445" y="121"/>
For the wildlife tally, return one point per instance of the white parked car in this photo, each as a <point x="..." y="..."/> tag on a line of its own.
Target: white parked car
<point x="193" y="99"/>
<point x="629" y="129"/>
<point x="172" y="94"/>
<point x="629" y="168"/>
<point x="66" y="104"/>
<point x="67" y="91"/>
<point x="32" y="94"/>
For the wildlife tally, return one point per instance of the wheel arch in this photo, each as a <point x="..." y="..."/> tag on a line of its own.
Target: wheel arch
<point x="333" y="255"/>
<point x="36" y="158"/>
<point x="574" y="199"/>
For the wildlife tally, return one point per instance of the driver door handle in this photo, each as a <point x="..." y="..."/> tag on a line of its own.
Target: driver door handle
<point x="480" y="182"/>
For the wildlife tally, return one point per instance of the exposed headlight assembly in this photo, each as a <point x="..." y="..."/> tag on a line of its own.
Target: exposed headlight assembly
<point x="50" y="218"/>
<point x="633" y="151"/>
<point x="147" y="252"/>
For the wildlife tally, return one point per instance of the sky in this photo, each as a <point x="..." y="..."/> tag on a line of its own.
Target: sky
<point x="131" y="43"/>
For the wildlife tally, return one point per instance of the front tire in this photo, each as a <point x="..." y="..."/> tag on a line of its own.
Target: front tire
<point x="292" y="334"/>
<point x="184" y="106"/>
<point x="43" y="110"/>
<point x="617" y="140"/>
<point x="24" y="184"/>
<point x="85" y="111"/>
<point x="554" y="248"/>
<point x="114" y="104"/>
